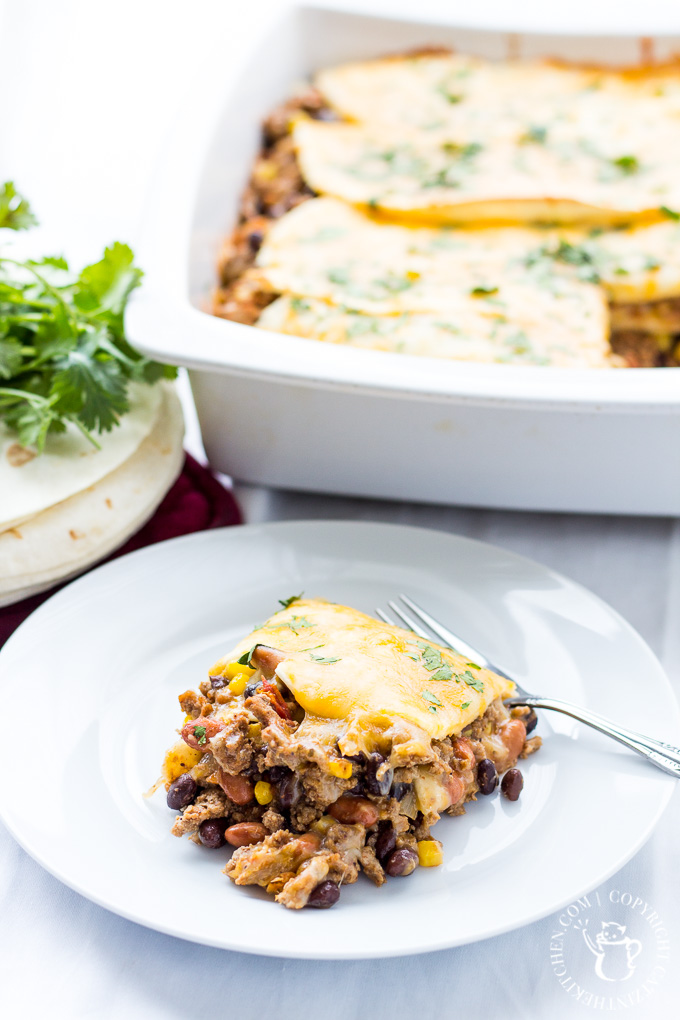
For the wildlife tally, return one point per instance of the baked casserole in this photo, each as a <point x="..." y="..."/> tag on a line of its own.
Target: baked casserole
<point x="328" y="743"/>
<point x="442" y="205"/>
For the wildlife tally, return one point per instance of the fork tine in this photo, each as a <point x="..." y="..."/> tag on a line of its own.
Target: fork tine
<point x="442" y="632"/>
<point x="408" y="621"/>
<point x="384" y="617"/>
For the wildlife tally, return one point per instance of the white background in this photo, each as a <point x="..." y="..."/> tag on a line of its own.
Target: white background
<point x="88" y="91"/>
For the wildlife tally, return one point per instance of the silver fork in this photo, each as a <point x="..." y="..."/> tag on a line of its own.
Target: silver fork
<point x="665" y="756"/>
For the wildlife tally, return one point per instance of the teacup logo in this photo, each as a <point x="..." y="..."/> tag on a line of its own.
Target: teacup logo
<point x="614" y="951"/>
<point x="609" y="950"/>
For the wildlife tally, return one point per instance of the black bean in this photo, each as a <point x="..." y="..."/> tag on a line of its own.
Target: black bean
<point x="399" y="790"/>
<point x="386" y="842"/>
<point x="512" y="783"/>
<point x="290" y="790"/>
<point x="487" y="777"/>
<point x="278" y="772"/>
<point x="324" y="895"/>
<point x="378" y="787"/>
<point x="181" y="792"/>
<point x="255" y="239"/>
<point x="530" y="721"/>
<point x="211" y="832"/>
<point x="251" y="688"/>
<point x="401" y="862"/>
<point x="217" y="682"/>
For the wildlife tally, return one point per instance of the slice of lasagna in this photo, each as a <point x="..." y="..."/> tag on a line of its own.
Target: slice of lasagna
<point x="328" y="742"/>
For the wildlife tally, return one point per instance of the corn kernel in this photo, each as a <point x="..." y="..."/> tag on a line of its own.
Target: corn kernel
<point x="180" y="759"/>
<point x="429" y="853"/>
<point x="238" y="684"/>
<point x="254" y="730"/>
<point x="263" y="792"/>
<point x="341" y="769"/>
<point x="323" y="824"/>
<point x="233" y="668"/>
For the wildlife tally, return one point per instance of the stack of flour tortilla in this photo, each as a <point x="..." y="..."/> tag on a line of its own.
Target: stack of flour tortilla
<point x="72" y="505"/>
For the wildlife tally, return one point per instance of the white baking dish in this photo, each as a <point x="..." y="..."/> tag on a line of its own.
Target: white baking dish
<point x="298" y="413"/>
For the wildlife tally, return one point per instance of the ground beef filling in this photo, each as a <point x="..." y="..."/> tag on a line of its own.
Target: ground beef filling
<point x="301" y="829"/>
<point x="276" y="185"/>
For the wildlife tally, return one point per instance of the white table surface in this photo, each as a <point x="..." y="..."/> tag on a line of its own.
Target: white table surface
<point x="89" y="91"/>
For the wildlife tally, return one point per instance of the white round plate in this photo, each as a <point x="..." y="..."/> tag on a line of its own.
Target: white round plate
<point x="91" y="681"/>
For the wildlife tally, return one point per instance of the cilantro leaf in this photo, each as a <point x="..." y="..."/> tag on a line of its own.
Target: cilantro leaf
<point x="483" y="291"/>
<point x="290" y="600"/>
<point x="15" y="211"/>
<point x="435" y="703"/>
<point x="670" y="214"/>
<point x="246" y="657"/>
<point x="321" y="660"/>
<point x="466" y="704"/>
<point x="475" y="682"/>
<point x="199" y="733"/>
<point x="64" y="357"/>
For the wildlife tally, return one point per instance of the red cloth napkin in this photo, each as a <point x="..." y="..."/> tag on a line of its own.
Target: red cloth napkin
<point x="196" y="502"/>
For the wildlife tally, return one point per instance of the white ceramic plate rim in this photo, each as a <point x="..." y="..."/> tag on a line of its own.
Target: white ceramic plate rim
<point x="111" y="572"/>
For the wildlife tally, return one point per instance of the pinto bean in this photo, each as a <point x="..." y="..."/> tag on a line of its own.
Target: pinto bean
<point x="245" y="833"/>
<point x="237" y="788"/>
<point x="206" y="727"/>
<point x="354" y="811"/>
<point x="465" y="755"/>
<point x="513" y="733"/>
<point x="267" y="659"/>
<point x="308" y="843"/>
<point x="455" y="787"/>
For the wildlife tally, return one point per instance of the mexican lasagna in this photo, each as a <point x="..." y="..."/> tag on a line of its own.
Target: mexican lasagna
<point x="436" y="204"/>
<point x="327" y="743"/>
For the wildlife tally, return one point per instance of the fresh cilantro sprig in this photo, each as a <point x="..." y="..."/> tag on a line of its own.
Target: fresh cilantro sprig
<point x="63" y="352"/>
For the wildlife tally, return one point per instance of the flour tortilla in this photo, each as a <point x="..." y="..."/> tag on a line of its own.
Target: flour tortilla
<point x="70" y="463"/>
<point x="66" y="539"/>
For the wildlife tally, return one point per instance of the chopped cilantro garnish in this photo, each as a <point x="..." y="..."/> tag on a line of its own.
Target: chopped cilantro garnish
<point x="472" y="681"/>
<point x="199" y="733"/>
<point x="466" y="704"/>
<point x="483" y="291"/>
<point x="299" y="305"/>
<point x="246" y="657"/>
<point x="536" y="134"/>
<point x="435" y="703"/>
<point x="473" y="665"/>
<point x="339" y="276"/>
<point x="449" y="96"/>
<point x="627" y="164"/>
<point x="321" y="660"/>
<point x="670" y="214"/>
<point x="290" y="600"/>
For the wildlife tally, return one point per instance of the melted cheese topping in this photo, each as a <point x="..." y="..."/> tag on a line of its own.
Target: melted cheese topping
<point x="372" y="684"/>
<point x="471" y="295"/>
<point x="450" y="138"/>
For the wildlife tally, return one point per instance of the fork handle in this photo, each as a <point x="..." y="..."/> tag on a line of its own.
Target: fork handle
<point x="665" y="756"/>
